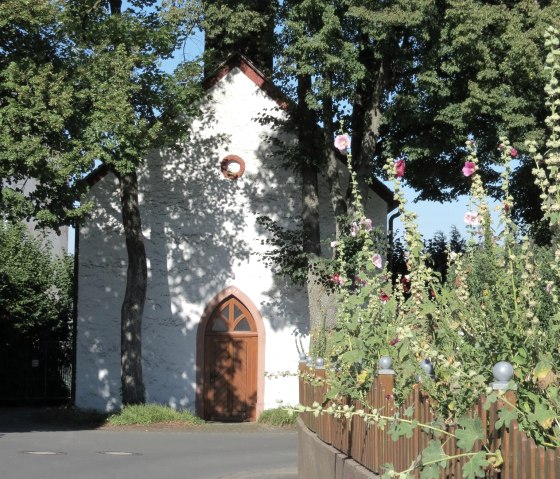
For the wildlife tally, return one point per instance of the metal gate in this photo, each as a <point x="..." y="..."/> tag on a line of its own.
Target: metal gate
<point x="35" y="373"/>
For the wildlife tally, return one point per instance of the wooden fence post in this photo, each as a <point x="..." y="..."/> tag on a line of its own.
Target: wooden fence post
<point x="503" y="374"/>
<point x="304" y="388"/>
<point x="386" y="406"/>
<point x="324" y="420"/>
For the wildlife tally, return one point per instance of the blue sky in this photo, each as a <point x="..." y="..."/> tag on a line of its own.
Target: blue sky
<point x="433" y="216"/>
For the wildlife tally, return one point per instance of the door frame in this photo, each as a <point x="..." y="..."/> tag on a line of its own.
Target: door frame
<point x="200" y="344"/>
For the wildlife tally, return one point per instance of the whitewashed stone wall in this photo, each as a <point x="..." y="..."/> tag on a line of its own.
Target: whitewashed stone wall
<point x="201" y="237"/>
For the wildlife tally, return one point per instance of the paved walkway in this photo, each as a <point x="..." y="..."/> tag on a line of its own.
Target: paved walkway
<point x="34" y="449"/>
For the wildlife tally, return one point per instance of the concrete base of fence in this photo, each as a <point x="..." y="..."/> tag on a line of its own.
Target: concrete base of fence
<point x="318" y="460"/>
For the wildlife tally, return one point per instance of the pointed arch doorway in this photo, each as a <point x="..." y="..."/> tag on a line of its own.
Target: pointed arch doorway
<point x="230" y="370"/>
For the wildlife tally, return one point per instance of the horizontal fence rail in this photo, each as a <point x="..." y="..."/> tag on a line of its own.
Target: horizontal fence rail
<point x="373" y="447"/>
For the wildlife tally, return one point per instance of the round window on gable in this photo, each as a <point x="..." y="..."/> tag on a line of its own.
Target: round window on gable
<point x="232" y="167"/>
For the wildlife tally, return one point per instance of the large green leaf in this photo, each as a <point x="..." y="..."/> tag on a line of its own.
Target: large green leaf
<point x="475" y="467"/>
<point x="470" y="431"/>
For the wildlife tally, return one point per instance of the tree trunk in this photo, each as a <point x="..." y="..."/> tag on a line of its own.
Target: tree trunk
<point x="308" y="167"/>
<point x="366" y="115"/>
<point x="132" y="384"/>
<point x="333" y="178"/>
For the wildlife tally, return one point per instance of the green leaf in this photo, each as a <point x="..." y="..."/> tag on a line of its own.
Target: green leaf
<point x="430" y="472"/>
<point x="543" y="416"/>
<point x="475" y="467"/>
<point x="409" y="411"/>
<point x="470" y="432"/>
<point x="505" y="416"/>
<point x="332" y="393"/>
<point x="353" y="356"/>
<point x="434" y="454"/>
<point x="389" y="470"/>
<point x="401" y="429"/>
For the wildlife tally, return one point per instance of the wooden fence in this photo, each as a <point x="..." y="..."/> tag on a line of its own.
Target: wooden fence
<point x="373" y="447"/>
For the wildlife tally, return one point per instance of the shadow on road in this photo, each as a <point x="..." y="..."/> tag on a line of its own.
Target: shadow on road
<point x="27" y="419"/>
<point x="51" y="419"/>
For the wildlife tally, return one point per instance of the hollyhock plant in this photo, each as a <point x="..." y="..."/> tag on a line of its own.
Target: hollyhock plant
<point x="399" y="167"/>
<point x="337" y="279"/>
<point x="469" y="168"/>
<point x="377" y="260"/>
<point x="367" y="224"/>
<point x="342" y="143"/>
<point x="471" y="218"/>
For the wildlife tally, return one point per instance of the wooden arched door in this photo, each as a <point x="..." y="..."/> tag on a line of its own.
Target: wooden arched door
<point x="230" y="363"/>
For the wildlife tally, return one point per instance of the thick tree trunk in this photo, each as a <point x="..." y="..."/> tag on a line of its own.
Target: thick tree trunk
<point x="308" y="167"/>
<point x="338" y="202"/>
<point x="366" y="116"/>
<point x="132" y="384"/>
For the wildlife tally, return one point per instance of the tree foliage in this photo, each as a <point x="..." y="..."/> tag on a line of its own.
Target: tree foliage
<point x="82" y="83"/>
<point x="413" y="79"/>
<point x="35" y="287"/>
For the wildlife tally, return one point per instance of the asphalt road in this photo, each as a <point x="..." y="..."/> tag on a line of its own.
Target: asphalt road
<point x="209" y="452"/>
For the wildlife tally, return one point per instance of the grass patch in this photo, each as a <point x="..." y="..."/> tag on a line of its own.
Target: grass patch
<point x="144" y="414"/>
<point x="277" y="417"/>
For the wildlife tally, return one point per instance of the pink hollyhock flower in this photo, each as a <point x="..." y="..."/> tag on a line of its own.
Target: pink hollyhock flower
<point x="333" y="244"/>
<point x="501" y="146"/>
<point x="405" y="283"/>
<point x="338" y="280"/>
<point x="354" y="230"/>
<point x="399" y="167"/>
<point x="367" y="224"/>
<point x="377" y="260"/>
<point x="471" y="218"/>
<point x="342" y="143"/>
<point x="513" y="152"/>
<point x="384" y="297"/>
<point x="469" y="168"/>
<point x="548" y="287"/>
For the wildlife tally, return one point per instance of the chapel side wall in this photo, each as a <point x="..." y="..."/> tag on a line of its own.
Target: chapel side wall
<point x="101" y="284"/>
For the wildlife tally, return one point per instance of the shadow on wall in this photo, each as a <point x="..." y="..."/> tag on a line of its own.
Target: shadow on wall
<point x="200" y="232"/>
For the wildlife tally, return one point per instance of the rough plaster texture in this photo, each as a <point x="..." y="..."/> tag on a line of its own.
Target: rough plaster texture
<point x="201" y="237"/>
